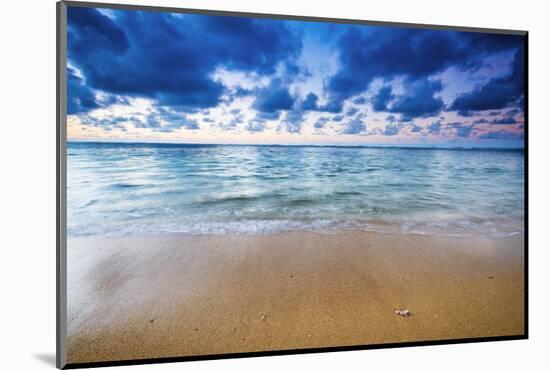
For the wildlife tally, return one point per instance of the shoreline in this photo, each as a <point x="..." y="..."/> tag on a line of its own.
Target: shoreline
<point x="380" y="227"/>
<point x="168" y="296"/>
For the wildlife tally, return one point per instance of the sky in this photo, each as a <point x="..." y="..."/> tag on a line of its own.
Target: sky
<point x="166" y="77"/>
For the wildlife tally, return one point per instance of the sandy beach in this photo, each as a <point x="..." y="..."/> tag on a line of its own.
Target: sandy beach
<point x="150" y="297"/>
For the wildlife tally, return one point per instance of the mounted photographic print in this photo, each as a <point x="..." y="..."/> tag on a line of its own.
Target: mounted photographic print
<point x="234" y="184"/>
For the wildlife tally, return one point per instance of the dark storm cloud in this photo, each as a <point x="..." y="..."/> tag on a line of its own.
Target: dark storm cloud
<point x="293" y="70"/>
<point x="89" y="31"/>
<point x="498" y="92"/>
<point x="273" y="98"/>
<point x="412" y="53"/>
<point x="419" y="100"/>
<point x="382" y="98"/>
<point x="171" y="58"/>
<point x="310" y="102"/>
<point x="80" y="98"/>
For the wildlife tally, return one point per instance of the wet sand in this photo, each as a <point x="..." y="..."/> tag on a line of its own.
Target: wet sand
<point x="150" y="297"/>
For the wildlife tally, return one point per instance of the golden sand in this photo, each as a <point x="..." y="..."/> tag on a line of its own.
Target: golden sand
<point x="135" y="298"/>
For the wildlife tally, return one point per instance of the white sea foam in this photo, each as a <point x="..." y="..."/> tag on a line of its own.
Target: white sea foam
<point x="267" y="227"/>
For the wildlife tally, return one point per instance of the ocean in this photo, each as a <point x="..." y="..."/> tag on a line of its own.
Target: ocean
<point x="117" y="189"/>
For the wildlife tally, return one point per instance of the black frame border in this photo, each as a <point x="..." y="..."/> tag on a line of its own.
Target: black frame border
<point x="61" y="186"/>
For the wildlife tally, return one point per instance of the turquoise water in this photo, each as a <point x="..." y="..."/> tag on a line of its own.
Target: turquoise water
<point x="142" y="189"/>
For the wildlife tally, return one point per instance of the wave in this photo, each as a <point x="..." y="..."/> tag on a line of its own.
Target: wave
<point x="262" y="190"/>
<point x="229" y="199"/>
<point x="129" y="186"/>
<point x="457" y="228"/>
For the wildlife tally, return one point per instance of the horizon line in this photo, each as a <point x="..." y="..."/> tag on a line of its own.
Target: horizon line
<point x="380" y="146"/>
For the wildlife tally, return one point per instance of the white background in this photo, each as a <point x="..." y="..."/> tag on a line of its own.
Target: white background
<point x="27" y="204"/>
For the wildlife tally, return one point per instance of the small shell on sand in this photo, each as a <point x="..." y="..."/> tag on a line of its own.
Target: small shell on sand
<point x="403" y="312"/>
